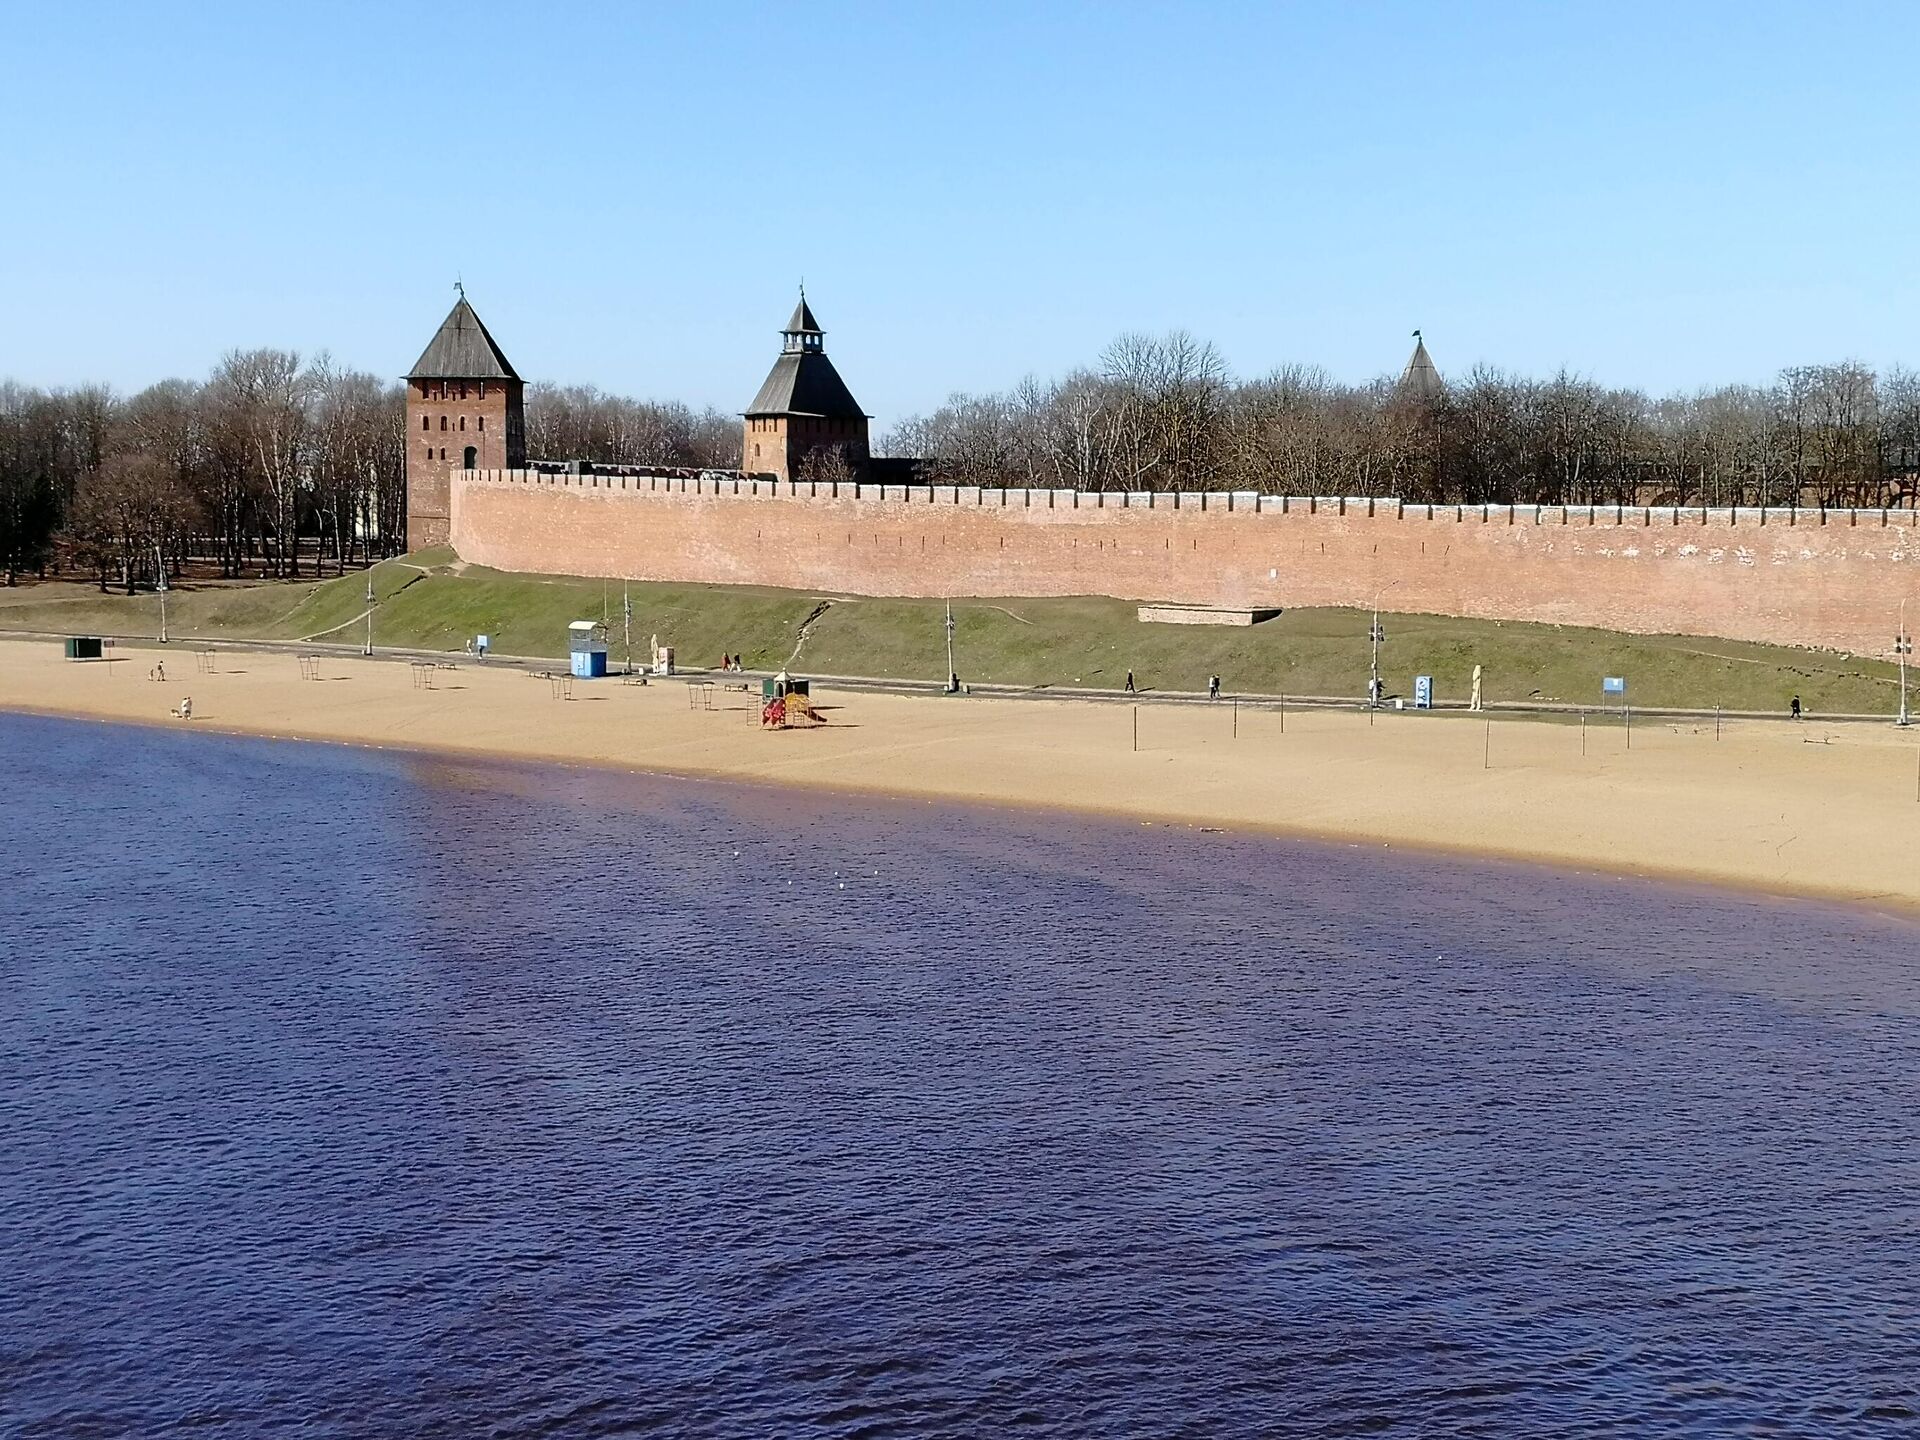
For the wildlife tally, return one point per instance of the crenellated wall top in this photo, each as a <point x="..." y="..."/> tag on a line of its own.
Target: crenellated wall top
<point x="726" y="485"/>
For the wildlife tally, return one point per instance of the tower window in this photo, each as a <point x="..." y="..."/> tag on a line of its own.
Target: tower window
<point x="443" y="422"/>
<point x="426" y="422"/>
<point x="463" y="422"/>
<point x="443" y="452"/>
<point x="483" y="389"/>
<point x="483" y="422"/>
<point x="429" y="452"/>
<point x="463" y="392"/>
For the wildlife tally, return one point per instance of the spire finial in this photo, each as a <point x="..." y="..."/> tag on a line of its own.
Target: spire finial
<point x="1416" y="334"/>
<point x="460" y="285"/>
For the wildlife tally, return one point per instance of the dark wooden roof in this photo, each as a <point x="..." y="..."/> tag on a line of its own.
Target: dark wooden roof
<point x="803" y="380"/>
<point x="805" y="383"/>
<point x="1421" y="379"/>
<point x="462" y="350"/>
<point x="803" y="322"/>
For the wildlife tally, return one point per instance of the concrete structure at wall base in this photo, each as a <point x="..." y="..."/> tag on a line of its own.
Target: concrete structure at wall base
<point x="1831" y="579"/>
<point x="1203" y="615"/>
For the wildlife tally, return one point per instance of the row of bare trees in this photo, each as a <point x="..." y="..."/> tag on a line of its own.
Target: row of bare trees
<point x="270" y="459"/>
<point x="566" y="422"/>
<point x="1164" y="413"/>
<point x="274" y="465"/>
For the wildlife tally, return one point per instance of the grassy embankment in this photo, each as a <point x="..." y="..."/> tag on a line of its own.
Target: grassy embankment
<point x="430" y="602"/>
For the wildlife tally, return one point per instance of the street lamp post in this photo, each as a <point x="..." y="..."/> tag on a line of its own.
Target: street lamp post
<point x="1903" y="647"/>
<point x="368" y="648"/>
<point x="953" y="676"/>
<point x="160" y="570"/>
<point x="1375" y="635"/>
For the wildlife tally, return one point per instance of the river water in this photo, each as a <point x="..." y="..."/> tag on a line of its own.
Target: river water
<point x="356" y="1093"/>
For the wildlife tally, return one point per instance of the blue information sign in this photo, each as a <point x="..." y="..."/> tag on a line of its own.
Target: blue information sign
<point x="1423" y="692"/>
<point x="1614" y="684"/>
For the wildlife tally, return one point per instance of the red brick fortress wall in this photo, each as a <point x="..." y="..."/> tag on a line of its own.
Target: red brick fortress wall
<point x="1790" y="577"/>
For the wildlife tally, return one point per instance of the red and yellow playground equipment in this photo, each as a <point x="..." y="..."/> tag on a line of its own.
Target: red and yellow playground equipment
<point x="785" y="701"/>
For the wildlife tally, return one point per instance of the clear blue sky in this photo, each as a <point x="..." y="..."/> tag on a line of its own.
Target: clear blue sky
<point x="1662" y="195"/>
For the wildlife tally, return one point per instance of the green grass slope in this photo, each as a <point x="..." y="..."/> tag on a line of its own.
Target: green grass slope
<point x="430" y="601"/>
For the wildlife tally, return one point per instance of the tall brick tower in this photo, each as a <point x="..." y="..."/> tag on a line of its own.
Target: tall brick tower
<point x="465" y="411"/>
<point x="803" y="406"/>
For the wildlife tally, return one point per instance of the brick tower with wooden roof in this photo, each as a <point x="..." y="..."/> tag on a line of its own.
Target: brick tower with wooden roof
<point x="803" y="407"/>
<point x="466" y="410"/>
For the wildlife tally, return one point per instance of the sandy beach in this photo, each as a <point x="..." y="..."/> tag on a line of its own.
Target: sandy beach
<point x="1813" y="808"/>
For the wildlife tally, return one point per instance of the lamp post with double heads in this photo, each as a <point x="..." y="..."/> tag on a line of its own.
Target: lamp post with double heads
<point x="953" y="675"/>
<point x="1903" y="647"/>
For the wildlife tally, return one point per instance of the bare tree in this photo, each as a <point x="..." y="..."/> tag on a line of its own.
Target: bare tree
<point x="29" y="490"/>
<point x="828" y="465"/>
<point x="1846" y="438"/>
<point x="261" y="400"/>
<point x="1899" y="438"/>
<point x="127" y="513"/>
<point x="356" y="459"/>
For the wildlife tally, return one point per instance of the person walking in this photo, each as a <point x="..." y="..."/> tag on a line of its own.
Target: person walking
<point x="1130" y="689"/>
<point x="1213" y="687"/>
<point x="1793" y="706"/>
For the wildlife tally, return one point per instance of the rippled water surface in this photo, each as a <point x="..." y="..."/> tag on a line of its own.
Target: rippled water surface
<point x="346" y="1093"/>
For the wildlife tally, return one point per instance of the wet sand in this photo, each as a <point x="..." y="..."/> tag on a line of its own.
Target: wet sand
<point x="1831" y="810"/>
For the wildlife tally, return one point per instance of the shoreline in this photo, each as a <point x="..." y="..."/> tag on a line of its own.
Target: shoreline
<point x="1770" y="808"/>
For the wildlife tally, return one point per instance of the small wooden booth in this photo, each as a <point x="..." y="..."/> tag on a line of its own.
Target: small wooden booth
<point x="587" y="646"/>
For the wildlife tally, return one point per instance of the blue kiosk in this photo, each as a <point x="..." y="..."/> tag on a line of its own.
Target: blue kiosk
<point x="587" y="644"/>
